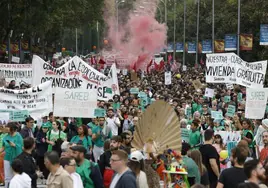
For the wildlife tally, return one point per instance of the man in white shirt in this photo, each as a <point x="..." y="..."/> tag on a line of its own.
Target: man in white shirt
<point x="112" y="122"/>
<point x="69" y="165"/>
<point x="20" y="178"/>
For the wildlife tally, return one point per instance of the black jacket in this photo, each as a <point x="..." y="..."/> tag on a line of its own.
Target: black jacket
<point x="127" y="180"/>
<point x="41" y="147"/>
<point x="29" y="167"/>
<point x="104" y="161"/>
<point x="25" y="132"/>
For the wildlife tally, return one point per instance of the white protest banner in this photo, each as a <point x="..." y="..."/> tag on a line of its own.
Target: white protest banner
<point x="230" y="68"/>
<point x="167" y="78"/>
<point x="229" y="136"/>
<point x="15" y="59"/>
<point x="76" y="102"/>
<point x="111" y="84"/>
<point x="4" y="118"/>
<point x="256" y="100"/>
<point x="37" y="100"/>
<point x="209" y="93"/>
<point x="21" y="73"/>
<point x="72" y="75"/>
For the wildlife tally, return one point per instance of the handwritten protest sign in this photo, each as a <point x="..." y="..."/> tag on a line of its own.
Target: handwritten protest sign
<point x="76" y="103"/>
<point x="230" y="68"/>
<point x="75" y="74"/>
<point x="227" y="99"/>
<point x="239" y="97"/>
<point x="256" y="100"/>
<point x="209" y="93"/>
<point x="36" y="100"/>
<point x="142" y="94"/>
<point x="217" y="115"/>
<point x="21" y="73"/>
<point x="167" y="78"/>
<point x="229" y="86"/>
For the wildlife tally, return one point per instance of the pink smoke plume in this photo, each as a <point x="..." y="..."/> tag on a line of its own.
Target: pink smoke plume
<point x="140" y="37"/>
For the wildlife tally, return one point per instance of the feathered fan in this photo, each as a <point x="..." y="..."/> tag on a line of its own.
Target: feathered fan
<point x="160" y="126"/>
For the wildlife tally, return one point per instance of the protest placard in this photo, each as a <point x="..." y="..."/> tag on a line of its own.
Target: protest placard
<point x="189" y="112"/>
<point x="209" y="93"/>
<point x="134" y="90"/>
<point x="256" y="100"/>
<point x="75" y="74"/>
<point x="230" y="110"/>
<point x="142" y="94"/>
<point x="167" y="78"/>
<point x="76" y="103"/>
<point x="36" y="100"/>
<point x="99" y="112"/>
<point x="217" y="115"/>
<point x="227" y="99"/>
<point x="230" y="68"/>
<point x="229" y="86"/>
<point x="21" y="73"/>
<point x="239" y="97"/>
<point x="15" y="59"/>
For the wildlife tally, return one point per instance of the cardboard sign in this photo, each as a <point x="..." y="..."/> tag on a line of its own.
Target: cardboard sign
<point x="229" y="136"/>
<point x="20" y="115"/>
<point x="134" y="90"/>
<point x="79" y="103"/>
<point x="229" y="86"/>
<point x="209" y="93"/>
<point x="36" y="100"/>
<point x="189" y="112"/>
<point x="217" y="115"/>
<point x="168" y="78"/>
<point x="142" y="94"/>
<point x="239" y="97"/>
<point x="231" y="111"/>
<point x="197" y="84"/>
<point x="227" y="99"/>
<point x="256" y="100"/>
<point x="99" y="112"/>
<point x="15" y="59"/>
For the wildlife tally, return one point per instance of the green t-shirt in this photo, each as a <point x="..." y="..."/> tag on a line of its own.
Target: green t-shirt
<point x="197" y="107"/>
<point x="101" y="138"/>
<point x="194" y="138"/>
<point x="54" y="136"/>
<point x="12" y="152"/>
<point x="191" y="168"/>
<point x="86" y="142"/>
<point x="84" y="171"/>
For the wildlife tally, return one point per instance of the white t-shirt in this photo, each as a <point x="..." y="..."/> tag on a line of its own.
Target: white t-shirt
<point x="21" y="180"/>
<point x="111" y="124"/>
<point x="142" y="180"/>
<point x="115" y="180"/>
<point x="77" y="180"/>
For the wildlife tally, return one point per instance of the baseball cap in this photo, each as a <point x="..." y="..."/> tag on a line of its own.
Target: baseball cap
<point x="79" y="148"/>
<point x="136" y="156"/>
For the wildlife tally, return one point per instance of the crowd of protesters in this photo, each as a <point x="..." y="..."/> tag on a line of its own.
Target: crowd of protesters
<point x="95" y="153"/>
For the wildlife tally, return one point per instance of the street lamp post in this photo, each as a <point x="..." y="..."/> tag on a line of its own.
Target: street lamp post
<point x="184" y="31"/>
<point x="238" y="27"/>
<point x="165" y="4"/>
<point x="197" y="32"/>
<point x="117" y="3"/>
<point x="174" y="32"/>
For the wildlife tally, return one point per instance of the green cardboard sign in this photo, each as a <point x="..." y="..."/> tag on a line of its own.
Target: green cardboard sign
<point x="231" y="111"/>
<point x="142" y="94"/>
<point x="109" y="90"/>
<point x="227" y="99"/>
<point x="134" y="90"/>
<point x="144" y="101"/>
<point x="239" y="97"/>
<point x="99" y="112"/>
<point x="17" y="115"/>
<point x="218" y="115"/>
<point x="266" y="109"/>
<point x="189" y="112"/>
<point x="116" y="106"/>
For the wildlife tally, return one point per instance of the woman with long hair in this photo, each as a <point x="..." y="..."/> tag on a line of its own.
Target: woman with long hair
<point x="55" y="137"/>
<point x="12" y="145"/>
<point x="247" y="135"/>
<point x="197" y="157"/>
<point x="83" y="138"/>
<point x="136" y="164"/>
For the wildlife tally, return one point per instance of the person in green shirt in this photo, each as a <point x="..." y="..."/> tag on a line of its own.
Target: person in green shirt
<point x="55" y="137"/>
<point x="82" y="138"/>
<point x="194" y="136"/>
<point x="99" y="138"/>
<point x="12" y="145"/>
<point x="88" y="171"/>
